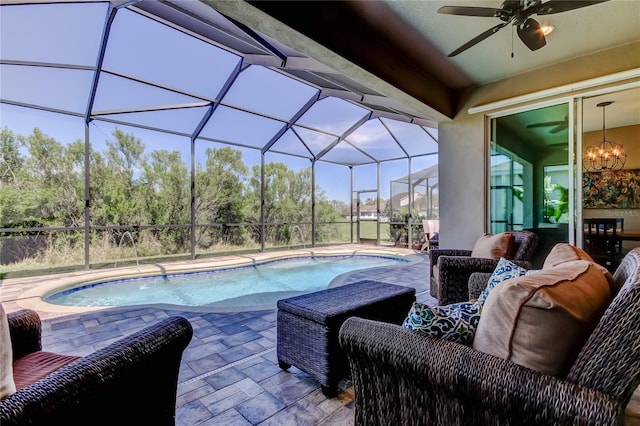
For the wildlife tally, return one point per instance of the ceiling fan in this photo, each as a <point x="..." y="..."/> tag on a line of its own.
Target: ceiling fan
<point x="517" y="13"/>
<point x="559" y="125"/>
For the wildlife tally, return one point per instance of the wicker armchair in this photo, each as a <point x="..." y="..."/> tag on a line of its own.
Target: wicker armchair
<point x="450" y="283"/>
<point x="406" y="378"/>
<point x="477" y="283"/>
<point x="130" y="382"/>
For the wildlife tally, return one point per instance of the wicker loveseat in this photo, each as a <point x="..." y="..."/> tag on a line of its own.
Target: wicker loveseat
<point x="450" y="268"/>
<point x="402" y="377"/>
<point x="130" y="382"/>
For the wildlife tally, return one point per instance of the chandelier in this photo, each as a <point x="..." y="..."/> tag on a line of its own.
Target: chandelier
<point x="605" y="155"/>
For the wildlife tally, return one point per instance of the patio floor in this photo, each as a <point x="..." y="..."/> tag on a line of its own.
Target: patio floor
<point x="229" y="373"/>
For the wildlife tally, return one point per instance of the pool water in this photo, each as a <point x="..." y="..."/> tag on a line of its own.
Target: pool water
<point x="247" y="286"/>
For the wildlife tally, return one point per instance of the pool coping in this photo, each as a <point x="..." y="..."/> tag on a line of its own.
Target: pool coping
<point x="34" y="289"/>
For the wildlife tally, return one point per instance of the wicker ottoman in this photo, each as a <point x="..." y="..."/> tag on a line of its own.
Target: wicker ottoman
<point x="308" y="325"/>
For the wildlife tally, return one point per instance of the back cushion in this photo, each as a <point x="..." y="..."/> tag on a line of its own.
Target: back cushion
<point x="7" y="385"/>
<point x="493" y="246"/>
<point x="542" y="320"/>
<point x="564" y="252"/>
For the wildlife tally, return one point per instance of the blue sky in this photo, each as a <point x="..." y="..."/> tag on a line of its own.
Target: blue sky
<point x="158" y="77"/>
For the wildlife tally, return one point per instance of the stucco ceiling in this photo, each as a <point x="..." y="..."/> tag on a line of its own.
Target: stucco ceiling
<point x="577" y="32"/>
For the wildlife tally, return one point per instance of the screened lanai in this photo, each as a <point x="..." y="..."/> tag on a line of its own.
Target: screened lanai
<point x="133" y="131"/>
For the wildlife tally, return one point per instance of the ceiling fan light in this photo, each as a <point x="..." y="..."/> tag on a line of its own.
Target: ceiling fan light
<point x="547" y="29"/>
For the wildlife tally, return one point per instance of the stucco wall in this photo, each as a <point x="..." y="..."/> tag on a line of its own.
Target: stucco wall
<point x="462" y="182"/>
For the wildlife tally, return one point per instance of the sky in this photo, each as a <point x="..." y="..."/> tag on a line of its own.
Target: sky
<point x="157" y="77"/>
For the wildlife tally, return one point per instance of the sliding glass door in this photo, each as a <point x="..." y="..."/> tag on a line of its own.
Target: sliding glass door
<point x="530" y="173"/>
<point x="536" y="177"/>
<point x="508" y="195"/>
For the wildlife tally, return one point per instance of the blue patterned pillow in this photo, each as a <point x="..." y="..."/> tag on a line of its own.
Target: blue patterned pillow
<point x="504" y="271"/>
<point x="456" y="322"/>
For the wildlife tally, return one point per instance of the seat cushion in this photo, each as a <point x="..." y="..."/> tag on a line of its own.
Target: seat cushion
<point x="542" y="320"/>
<point x="37" y="365"/>
<point x="494" y="246"/>
<point x="7" y="385"/>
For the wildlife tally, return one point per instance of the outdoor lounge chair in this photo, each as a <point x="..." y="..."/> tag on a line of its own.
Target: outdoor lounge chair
<point x="404" y="377"/>
<point x="450" y="269"/>
<point x="431" y="231"/>
<point x="132" y="381"/>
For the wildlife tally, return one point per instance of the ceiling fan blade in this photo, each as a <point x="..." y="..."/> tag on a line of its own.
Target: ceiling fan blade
<point x="546" y="124"/>
<point x="559" y="128"/>
<point x="469" y="11"/>
<point x="477" y="39"/>
<point x="558" y="6"/>
<point x="531" y="34"/>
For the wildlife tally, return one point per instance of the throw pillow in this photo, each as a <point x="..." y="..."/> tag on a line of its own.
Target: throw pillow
<point x="504" y="270"/>
<point x="456" y="322"/>
<point x="541" y="321"/>
<point x="7" y="385"/>
<point x="493" y="246"/>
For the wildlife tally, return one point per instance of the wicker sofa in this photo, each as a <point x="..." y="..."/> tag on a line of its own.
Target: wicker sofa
<point x="130" y="382"/>
<point x="402" y="377"/>
<point x="450" y="269"/>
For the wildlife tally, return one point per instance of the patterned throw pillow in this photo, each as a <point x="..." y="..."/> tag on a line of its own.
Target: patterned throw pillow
<point x="504" y="271"/>
<point x="457" y="322"/>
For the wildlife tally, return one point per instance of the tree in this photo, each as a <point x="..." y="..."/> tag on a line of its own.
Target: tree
<point x="53" y="174"/>
<point x="220" y="197"/>
<point x="116" y="195"/>
<point x="287" y="199"/>
<point x="11" y="178"/>
<point x="165" y="189"/>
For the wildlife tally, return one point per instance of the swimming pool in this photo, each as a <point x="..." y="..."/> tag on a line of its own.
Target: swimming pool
<point x="257" y="285"/>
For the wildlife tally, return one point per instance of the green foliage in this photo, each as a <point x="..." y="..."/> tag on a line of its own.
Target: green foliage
<point x="138" y="192"/>
<point x="220" y="197"/>
<point x="556" y="202"/>
<point x="286" y="198"/>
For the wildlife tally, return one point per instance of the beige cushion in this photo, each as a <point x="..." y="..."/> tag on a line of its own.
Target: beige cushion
<point x="541" y="321"/>
<point x="564" y="252"/>
<point x="632" y="410"/>
<point x="7" y="385"/>
<point x="493" y="246"/>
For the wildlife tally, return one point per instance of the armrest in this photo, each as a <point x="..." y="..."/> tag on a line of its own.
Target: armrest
<point x="434" y="254"/>
<point x="25" y="330"/>
<point x="405" y="377"/>
<point x="455" y="273"/>
<point x="477" y="283"/>
<point x="454" y="276"/>
<point x="131" y="381"/>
